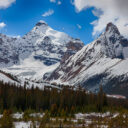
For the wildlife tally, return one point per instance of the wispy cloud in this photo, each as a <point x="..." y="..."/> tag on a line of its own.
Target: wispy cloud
<point x="18" y="36"/>
<point x="115" y="11"/>
<point x="2" y="25"/>
<point x="48" y="13"/>
<point x="59" y="3"/>
<point x="6" y="3"/>
<point x="53" y="1"/>
<point x="79" y="26"/>
<point x="14" y="36"/>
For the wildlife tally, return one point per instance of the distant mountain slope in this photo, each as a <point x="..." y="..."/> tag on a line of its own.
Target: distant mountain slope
<point x="8" y="52"/>
<point x="7" y="78"/>
<point x="38" y="52"/>
<point x="102" y="62"/>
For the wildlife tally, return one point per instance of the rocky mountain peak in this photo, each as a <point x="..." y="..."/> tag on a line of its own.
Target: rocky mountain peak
<point x="111" y="28"/>
<point x="41" y="22"/>
<point x="112" y="43"/>
<point x="43" y="46"/>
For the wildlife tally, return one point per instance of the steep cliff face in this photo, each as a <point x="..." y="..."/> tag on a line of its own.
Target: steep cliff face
<point x="8" y="55"/>
<point x="36" y="53"/>
<point x="102" y="62"/>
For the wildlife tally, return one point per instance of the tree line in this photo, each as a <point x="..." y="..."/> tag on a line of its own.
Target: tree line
<point x="63" y="102"/>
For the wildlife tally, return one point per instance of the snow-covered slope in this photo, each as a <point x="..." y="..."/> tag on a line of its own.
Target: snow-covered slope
<point x="36" y="53"/>
<point x="23" y="82"/>
<point x="6" y="78"/>
<point x="102" y="62"/>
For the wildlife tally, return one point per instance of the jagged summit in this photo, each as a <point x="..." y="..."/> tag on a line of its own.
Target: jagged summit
<point x="111" y="28"/>
<point x="112" y="43"/>
<point x="41" y="22"/>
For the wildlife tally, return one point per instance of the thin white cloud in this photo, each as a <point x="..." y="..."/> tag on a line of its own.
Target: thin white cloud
<point x="59" y="3"/>
<point x="79" y="26"/>
<point x="97" y="12"/>
<point x="48" y="13"/>
<point x="14" y="36"/>
<point x="72" y="2"/>
<point x="18" y="36"/>
<point x="6" y="3"/>
<point x="2" y="25"/>
<point x="53" y="1"/>
<point x="115" y="11"/>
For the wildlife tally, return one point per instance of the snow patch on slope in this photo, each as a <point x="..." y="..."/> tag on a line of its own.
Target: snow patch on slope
<point x="6" y="79"/>
<point x="31" y="69"/>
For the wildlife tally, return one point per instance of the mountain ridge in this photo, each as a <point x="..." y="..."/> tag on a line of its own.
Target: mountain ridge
<point x="102" y="62"/>
<point x="44" y="54"/>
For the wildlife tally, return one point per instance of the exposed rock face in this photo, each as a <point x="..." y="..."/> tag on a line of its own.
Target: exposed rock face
<point x="39" y="50"/>
<point x="102" y="62"/>
<point x="8" y="52"/>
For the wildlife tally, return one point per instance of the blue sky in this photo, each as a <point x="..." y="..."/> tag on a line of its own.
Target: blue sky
<point x="22" y="15"/>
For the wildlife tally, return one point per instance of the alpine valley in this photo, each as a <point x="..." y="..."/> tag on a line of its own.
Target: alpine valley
<point x="49" y="56"/>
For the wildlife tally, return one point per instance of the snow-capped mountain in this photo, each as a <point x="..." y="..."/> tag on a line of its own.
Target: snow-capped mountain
<point x="56" y="57"/>
<point x="102" y="62"/>
<point x="36" y="53"/>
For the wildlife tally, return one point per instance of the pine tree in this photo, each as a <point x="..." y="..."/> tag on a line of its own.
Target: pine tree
<point x="54" y="110"/>
<point x="100" y="99"/>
